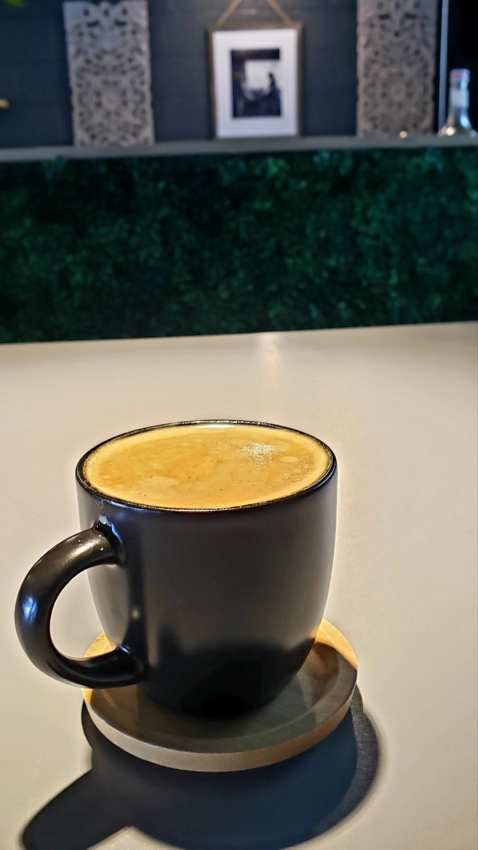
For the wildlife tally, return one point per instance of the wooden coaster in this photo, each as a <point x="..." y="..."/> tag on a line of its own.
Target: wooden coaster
<point x="308" y="710"/>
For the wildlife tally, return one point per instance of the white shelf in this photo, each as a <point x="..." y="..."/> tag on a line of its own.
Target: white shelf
<point x="200" y="147"/>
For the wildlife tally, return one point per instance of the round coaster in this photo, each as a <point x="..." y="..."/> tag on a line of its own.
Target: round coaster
<point x="308" y="710"/>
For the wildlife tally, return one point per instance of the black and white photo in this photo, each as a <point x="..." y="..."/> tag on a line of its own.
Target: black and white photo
<point x="255" y="83"/>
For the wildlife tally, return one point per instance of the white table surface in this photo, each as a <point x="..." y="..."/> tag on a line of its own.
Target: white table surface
<point x="398" y="406"/>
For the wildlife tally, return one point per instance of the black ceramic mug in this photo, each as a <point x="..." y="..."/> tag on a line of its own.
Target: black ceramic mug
<point x="212" y="611"/>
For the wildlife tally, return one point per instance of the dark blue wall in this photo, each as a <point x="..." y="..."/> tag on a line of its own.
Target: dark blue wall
<point x="33" y="70"/>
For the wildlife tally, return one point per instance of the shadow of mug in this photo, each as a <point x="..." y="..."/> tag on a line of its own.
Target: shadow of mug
<point x="265" y="808"/>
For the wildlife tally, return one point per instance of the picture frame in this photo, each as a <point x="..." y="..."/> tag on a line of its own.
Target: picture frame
<point x="256" y="80"/>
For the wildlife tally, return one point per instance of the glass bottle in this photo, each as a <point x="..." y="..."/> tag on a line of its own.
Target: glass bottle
<point x="458" y="122"/>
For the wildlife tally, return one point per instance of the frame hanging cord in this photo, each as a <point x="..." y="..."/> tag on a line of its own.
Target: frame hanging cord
<point x="235" y="3"/>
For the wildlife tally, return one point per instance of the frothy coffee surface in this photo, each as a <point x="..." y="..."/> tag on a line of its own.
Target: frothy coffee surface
<point x="206" y="466"/>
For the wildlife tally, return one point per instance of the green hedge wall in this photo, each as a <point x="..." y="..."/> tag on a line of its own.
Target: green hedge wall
<point x="159" y="247"/>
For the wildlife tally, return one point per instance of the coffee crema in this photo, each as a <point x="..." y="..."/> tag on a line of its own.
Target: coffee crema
<point x="207" y="465"/>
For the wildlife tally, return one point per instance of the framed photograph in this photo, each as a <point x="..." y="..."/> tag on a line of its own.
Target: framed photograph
<point x="255" y="81"/>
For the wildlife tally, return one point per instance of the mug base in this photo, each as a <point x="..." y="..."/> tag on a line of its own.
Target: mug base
<point x="309" y="709"/>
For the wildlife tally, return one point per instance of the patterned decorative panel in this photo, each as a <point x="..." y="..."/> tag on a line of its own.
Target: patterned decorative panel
<point x="396" y="66"/>
<point x="110" y="73"/>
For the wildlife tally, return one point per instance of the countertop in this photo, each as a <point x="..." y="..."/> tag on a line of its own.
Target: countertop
<point x="398" y="406"/>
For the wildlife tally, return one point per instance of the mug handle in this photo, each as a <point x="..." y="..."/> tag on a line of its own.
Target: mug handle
<point x="34" y="607"/>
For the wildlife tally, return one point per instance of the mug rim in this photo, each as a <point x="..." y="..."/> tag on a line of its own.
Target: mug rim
<point x="304" y="491"/>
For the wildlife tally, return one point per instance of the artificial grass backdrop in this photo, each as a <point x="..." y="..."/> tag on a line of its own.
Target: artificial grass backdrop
<point x="160" y="247"/>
